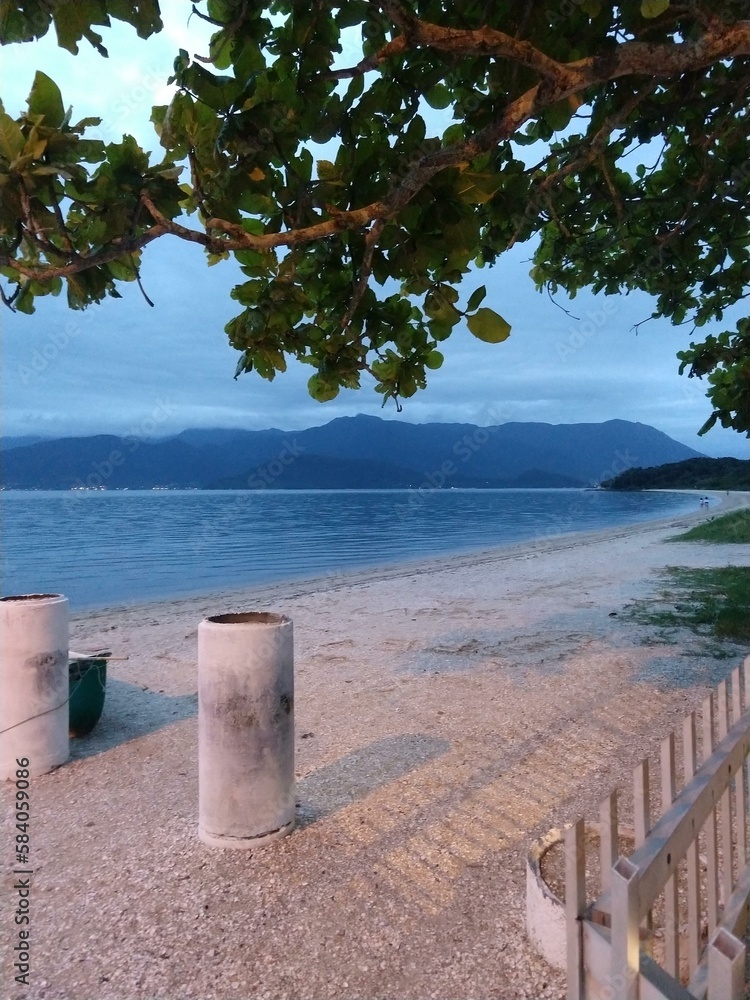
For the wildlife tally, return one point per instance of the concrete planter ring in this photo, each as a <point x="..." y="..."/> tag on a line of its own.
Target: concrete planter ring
<point x="33" y="683"/>
<point x="545" y="904"/>
<point x="245" y="729"/>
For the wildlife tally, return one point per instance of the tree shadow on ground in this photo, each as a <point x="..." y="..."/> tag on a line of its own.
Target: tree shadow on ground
<point x="357" y="774"/>
<point x="130" y="712"/>
<point x="541" y="646"/>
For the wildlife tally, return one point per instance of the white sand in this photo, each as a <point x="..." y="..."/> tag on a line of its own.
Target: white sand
<point x="446" y="713"/>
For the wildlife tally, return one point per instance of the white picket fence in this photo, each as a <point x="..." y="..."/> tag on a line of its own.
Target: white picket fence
<point x="668" y="920"/>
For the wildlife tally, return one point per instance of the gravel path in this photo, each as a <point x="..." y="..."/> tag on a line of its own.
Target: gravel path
<point x="446" y="713"/>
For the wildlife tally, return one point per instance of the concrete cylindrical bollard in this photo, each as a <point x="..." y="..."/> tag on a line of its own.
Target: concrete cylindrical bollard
<point x="245" y="729"/>
<point x="33" y="683"/>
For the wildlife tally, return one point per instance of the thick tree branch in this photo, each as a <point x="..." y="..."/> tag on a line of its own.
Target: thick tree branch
<point x="117" y="248"/>
<point x="720" y="41"/>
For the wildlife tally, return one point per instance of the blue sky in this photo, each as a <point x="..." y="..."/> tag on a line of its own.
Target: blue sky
<point x="123" y="366"/>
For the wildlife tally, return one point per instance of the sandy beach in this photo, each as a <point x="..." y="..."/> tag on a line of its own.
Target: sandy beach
<point x="447" y="712"/>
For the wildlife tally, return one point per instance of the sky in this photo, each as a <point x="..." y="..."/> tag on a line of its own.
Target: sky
<point x="122" y="367"/>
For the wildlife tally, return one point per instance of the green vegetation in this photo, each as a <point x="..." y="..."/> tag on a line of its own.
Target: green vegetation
<point x="692" y="474"/>
<point x="729" y="528"/>
<point x="638" y="177"/>
<point x="711" y="603"/>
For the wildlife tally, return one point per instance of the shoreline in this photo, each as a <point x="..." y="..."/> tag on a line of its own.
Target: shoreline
<point x="417" y="566"/>
<point x="446" y="714"/>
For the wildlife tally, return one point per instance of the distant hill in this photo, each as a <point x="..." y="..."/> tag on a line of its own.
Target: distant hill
<point x="7" y="443"/>
<point x="365" y="451"/>
<point x="583" y="452"/>
<point x="104" y="460"/>
<point x="310" y="471"/>
<point x="692" y="474"/>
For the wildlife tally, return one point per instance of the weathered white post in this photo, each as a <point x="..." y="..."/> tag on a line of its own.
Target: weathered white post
<point x="33" y="683"/>
<point x="245" y="729"/>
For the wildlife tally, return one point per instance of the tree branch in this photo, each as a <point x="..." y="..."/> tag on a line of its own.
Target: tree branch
<point x="360" y="288"/>
<point x="112" y="252"/>
<point x="720" y="41"/>
<point x="559" y="82"/>
<point x="599" y="140"/>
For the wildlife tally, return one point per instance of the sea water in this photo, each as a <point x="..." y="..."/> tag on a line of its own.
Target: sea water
<point x="111" y="547"/>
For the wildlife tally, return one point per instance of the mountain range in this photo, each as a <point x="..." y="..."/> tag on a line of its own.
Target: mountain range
<point x="361" y="452"/>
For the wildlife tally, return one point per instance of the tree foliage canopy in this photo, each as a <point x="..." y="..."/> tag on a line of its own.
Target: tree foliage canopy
<point x="353" y="253"/>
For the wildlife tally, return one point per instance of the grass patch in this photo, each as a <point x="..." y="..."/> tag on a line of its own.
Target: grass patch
<point x="709" y="602"/>
<point x="731" y="528"/>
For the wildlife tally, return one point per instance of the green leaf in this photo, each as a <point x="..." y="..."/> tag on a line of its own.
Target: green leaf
<point x="25" y="301"/>
<point x="438" y="308"/>
<point x="489" y="326"/>
<point x="327" y="171"/>
<point x="245" y="364"/>
<point x="73" y="21"/>
<point x="320" y="390"/>
<point x="220" y="50"/>
<point x="476" y="298"/>
<point x="123" y="268"/>
<point x="558" y="115"/>
<point x="45" y="99"/>
<point x="438" y="96"/>
<point x="144" y="15"/>
<point x="476" y="188"/>
<point x="178" y="118"/>
<point x="653" y="8"/>
<point x="34" y="146"/>
<point x="85" y="123"/>
<point x="11" y="137"/>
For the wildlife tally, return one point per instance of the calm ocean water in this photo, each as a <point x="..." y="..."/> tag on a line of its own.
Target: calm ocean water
<point x="102" y="548"/>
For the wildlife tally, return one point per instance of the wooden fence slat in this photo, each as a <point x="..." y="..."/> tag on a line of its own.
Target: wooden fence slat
<point x="672" y="834"/>
<point x="736" y="915"/>
<point x="746" y="764"/>
<point x="725" y="802"/>
<point x="625" y="934"/>
<point x="736" y="694"/>
<point x="712" y="857"/>
<point x="726" y="967"/>
<point x="642" y="801"/>
<point x="642" y="811"/>
<point x="693" y="879"/>
<point x="575" y="904"/>
<point x="722" y="701"/>
<point x="671" y="914"/>
<point x="609" y="849"/>
<point x="740" y="798"/>
<point x="714" y="793"/>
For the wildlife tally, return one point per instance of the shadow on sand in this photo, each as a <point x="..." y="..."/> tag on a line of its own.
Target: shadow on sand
<point x="361" y="772"/>
<point x="129" y="713"/>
